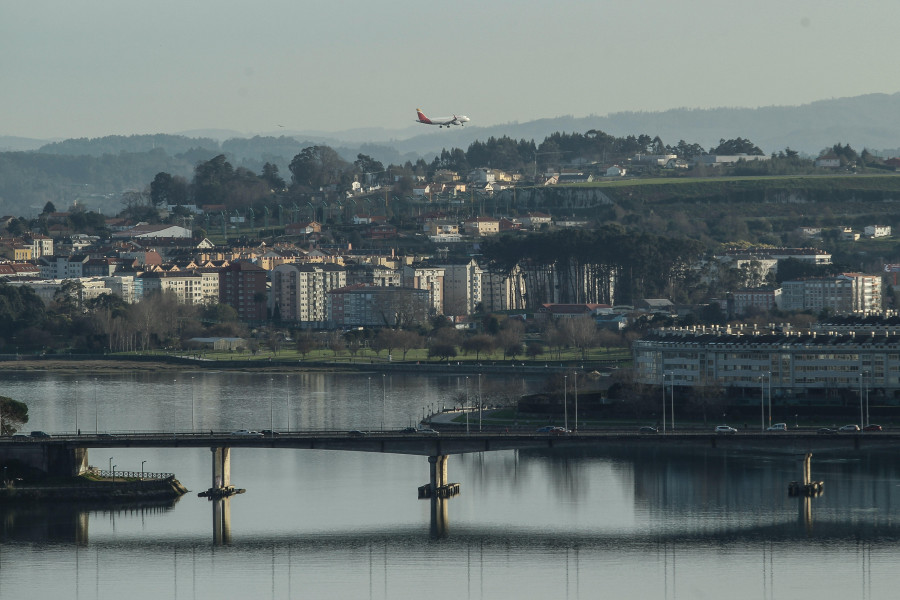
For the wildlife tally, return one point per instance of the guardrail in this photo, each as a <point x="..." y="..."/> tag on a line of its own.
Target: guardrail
<point x="142" y="476"/>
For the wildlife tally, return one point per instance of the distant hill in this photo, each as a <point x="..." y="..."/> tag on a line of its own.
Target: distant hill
<point x="35" y="171"/>
<point x="868" y="121"/>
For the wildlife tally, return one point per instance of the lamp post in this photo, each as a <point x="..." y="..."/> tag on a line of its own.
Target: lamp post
<point x="565" y="402"/>
<point x="672" y="398"/>
<point x="466" y="407"/>
<point x="575" y="375"/>
<point x="762" y="405"/>
<point x="480" y="402"/>
<point x="663" y="386"/>
<point x="142" y="469"/>
<point x="769" y="378"/>
<point x="110" y="463"/>
<point x="287" y="381"/>
<point x="271" y="410"/>
<point x="192" y="404"/>
<point x="861" y="422"/>
<point x="383" y="398"/>
<point x="114" y="473"/>
<point x="76" y="407"/>
<point x="96" y="412"/>
<point x="866" y="385"/>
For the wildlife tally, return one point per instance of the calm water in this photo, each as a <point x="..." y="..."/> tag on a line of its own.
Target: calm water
<point x="318" y="524"/>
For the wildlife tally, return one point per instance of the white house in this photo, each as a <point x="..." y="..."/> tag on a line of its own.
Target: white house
<point x="876" y="231"/>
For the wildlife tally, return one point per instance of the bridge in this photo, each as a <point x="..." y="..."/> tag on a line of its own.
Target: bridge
<point x="67" y="453"/>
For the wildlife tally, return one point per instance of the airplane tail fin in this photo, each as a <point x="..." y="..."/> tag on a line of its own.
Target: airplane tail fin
<point x="422" y="116"/>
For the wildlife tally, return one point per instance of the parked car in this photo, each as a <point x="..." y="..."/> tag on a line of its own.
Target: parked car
<point x="872" y="427"/>
<point x="777" y="427"/>
<point x="648" y="429"/>
<point x="826" y="431"/>
<point x="849" y="429"/>
<point x="725" y="429"/>
<point x="246" y="432"/>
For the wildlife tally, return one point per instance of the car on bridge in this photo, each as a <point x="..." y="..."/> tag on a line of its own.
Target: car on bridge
<point x="246" y="432"/>
<point x="873" y="427"/>
<point x="777" y="427"/>
<point x="826" y="431"/>
<point x="545" y="429"/>
<point x="40" y="434"/>
<point x="357" y="433"/>
<point x="849" y="428"/>
<point x="648" y="429"/>
<point x="725" y="429"/>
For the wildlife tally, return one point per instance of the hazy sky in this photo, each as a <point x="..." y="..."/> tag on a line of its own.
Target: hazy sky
<point x="88" y="68"/>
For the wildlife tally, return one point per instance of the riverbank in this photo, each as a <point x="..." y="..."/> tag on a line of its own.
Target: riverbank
<point x="82" y="489"/>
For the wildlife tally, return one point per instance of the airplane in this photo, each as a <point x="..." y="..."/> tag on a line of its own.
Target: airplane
<point x="441" y="121"/>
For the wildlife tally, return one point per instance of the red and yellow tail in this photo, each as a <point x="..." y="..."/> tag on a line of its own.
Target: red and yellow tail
<point x="422" y="116"/>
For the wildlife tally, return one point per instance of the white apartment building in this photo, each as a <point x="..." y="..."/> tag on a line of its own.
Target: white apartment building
<point x="847" y="293"/>
<point x="423" y="277"/>
<point x="187" y="286"/>
<point x="792" y="363"/>
<point x="462" y="288"/>
<point x="299" y="292"/>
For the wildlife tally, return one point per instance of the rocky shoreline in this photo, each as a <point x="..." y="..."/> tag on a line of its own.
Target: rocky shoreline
<point x="95" y="491"/>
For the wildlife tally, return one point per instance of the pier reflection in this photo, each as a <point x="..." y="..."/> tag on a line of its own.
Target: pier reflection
<point x="440" y="521"/>
<point x="221" y="512"/>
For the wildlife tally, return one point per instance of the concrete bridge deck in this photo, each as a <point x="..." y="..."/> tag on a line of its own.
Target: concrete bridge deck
<point x="460" y="442"/>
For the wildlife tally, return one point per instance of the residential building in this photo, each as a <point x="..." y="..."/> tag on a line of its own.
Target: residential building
<point x="363" y="305"/>
<point x="242" y="285"/>
<point x="877" y="231"/>
<point x="846" y="293"/>
<point x="759" y="299"/>
<point x="431" y="279"/>
<point x="791" y="363"/>
<point x="299" y="291"/>
<point x="187" y="286"/>
<point x="462" y="287"/>
<point x="482" y="226"/>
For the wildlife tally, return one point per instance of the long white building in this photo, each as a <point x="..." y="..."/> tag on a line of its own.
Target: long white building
<point x="793" y="363"/>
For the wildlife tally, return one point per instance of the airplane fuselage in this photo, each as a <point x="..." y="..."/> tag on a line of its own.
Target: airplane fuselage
<point x="441" y="121"/>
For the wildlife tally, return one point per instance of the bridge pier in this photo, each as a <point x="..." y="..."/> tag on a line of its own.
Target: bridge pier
<point x="438" y="486"/>
<point x="221" y="475"/>
<point x="438" y="471"/>
<point x="221" y="467"/>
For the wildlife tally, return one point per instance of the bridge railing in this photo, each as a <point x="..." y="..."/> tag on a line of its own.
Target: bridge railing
<point x="141" y="476"/>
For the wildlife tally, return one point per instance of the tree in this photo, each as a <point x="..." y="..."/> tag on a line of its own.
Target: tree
<point x="270" y="175"/>
<point x="317" y="167"/>
<point x="48" y="208"/>
<point x="305" y="343"/>
<point x="479" y="343"/>
<point x="166" y="189"/>
<point x="443" y="343"/>
<point x="13" y="414"/>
